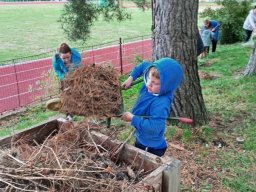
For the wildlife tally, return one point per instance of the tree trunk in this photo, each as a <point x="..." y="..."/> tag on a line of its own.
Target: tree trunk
<point x="175" y="35"/>
<point x="251" y="66"/>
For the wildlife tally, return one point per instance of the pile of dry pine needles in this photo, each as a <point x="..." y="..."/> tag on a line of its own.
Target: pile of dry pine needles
<point x="67" y="161"/>
<point x="92" y="91"/>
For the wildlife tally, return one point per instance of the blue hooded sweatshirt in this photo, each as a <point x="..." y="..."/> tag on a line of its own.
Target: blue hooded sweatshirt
<point x="214" y="25"/>
<point x="151" y="110"/>
<point x="59" y="67"/>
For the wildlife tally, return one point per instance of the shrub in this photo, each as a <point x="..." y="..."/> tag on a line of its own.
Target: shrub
<point x="231" y="16"/>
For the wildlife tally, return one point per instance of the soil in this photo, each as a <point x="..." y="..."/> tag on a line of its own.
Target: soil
<point x="199" y="159"/>
<point x="9" y="120"/>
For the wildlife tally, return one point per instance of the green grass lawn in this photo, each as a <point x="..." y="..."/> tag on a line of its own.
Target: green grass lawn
<point x="32" y="29"/>
<point x="232" y="97"/>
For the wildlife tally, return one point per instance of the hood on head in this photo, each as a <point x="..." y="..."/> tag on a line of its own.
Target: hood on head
<point x="170" y="72"/>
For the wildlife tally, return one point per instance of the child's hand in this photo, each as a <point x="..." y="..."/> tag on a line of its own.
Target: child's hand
<point x="127" y="116"/>
<point x="127" y="83"/>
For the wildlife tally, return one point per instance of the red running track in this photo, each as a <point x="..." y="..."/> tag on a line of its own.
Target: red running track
<point x="16" y="80"/>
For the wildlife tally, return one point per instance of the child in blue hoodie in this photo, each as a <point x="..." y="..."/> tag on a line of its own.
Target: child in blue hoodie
<point x="67" y="59"/>
<point x="149" y="114"/>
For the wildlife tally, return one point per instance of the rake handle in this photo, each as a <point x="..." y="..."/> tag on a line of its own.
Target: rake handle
<point x="183" y="120"/>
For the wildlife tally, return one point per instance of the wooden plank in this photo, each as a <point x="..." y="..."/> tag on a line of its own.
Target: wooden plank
<point x="129" y="154"/>
<point x="155" y="179"/>
<point x="139" y="158"/>
<point x="37" y="133"/>
<point x="171" y="176"/>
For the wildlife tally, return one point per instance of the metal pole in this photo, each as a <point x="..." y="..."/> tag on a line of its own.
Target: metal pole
<point x="153" y="16"/>
<point x="108" y="121"/>
<point x="17" y="83"/>
<point x="142" y="54"/>
<point x="93" y="60"/>
<point x="120" y="55"/>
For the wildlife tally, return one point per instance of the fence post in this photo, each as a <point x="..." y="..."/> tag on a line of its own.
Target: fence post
<point x="142" y="54"/>
<point x="17" y="83"/>
<point x="120" y="55"/>
<point x="93" y="59"/>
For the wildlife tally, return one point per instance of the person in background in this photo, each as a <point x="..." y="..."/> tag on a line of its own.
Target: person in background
<point x="214" y="27"/>
<point x="206" y="36"/>
<point x="152" y="108"/>
<point x="200" y="44"/>
<point x="249" y="24"/>
<point x="66" y="60"/>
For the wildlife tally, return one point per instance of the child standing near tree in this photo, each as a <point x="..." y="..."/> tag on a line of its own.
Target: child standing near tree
<point x="206" y="35"/>
<point x="149" y="114"/>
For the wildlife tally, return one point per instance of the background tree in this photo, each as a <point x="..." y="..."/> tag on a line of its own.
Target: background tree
<point x="174" y="35"/>
<point x="79" y="15"/>
<point x="251" y="66"/>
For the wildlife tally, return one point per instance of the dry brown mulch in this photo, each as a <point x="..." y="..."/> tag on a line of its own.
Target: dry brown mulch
<point x="200" y="169"/>
<point x="197" y="166"/>
<point x="207" y="76"/>
<point x="92" y="91"/>
<point x="68" y="161"/>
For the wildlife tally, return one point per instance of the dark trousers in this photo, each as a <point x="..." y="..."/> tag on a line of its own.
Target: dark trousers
<point x="158" y="152"/>
<point x="214" y="45"/>
<point x="248" y="34"/>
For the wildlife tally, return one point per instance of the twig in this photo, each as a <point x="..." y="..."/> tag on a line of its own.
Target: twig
<point x="34" y="156"/>
<point x="121" y="146"/>
<point x="15" y="186"/>
<point x="59" y="178"/>
<point x="19" y="161"/>
<point x="101" y="170"/>
<point x="55" y="156"/>
<point x="176" y="146"/>
<point x="92" y="139"/>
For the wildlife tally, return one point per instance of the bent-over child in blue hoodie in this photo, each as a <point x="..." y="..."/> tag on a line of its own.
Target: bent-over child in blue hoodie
<point x="66" y="60"/>
<point x="152" y="108"/>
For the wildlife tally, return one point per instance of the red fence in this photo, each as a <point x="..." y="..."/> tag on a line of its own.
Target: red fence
<point x="19" y="82"/>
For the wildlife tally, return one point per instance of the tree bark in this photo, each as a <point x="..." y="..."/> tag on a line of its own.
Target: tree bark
<point x="175" y="35"/>
<point x="251" y="66"/>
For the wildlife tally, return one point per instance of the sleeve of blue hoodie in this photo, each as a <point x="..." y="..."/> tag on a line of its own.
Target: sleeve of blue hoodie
<point x="59" y="67"/>
<point x="215" y="27"/>
<point x="140" y="69"/>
